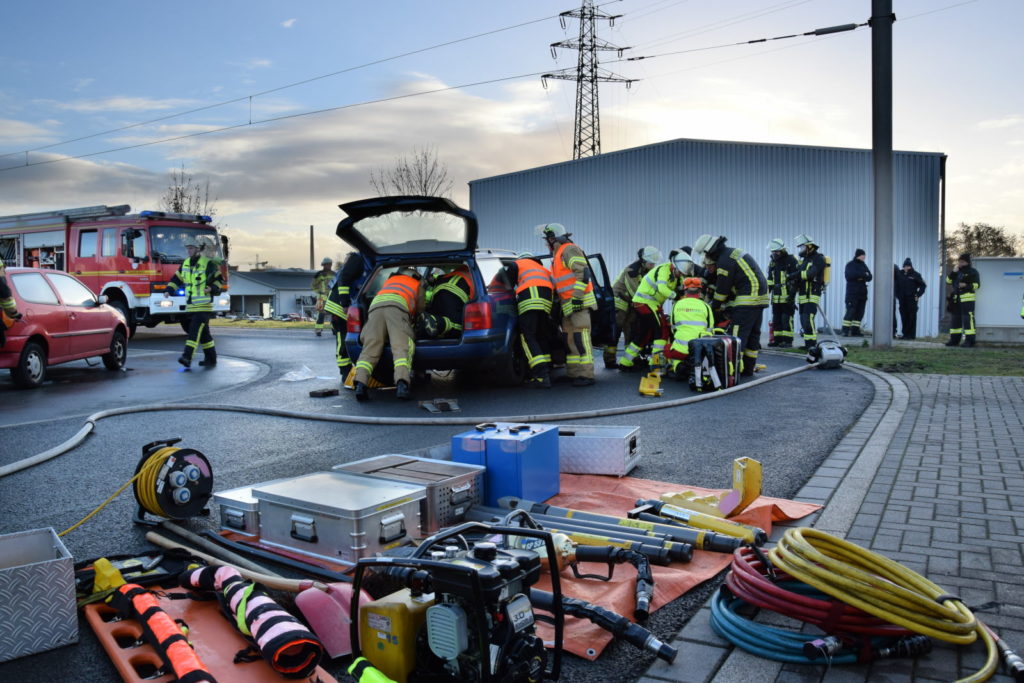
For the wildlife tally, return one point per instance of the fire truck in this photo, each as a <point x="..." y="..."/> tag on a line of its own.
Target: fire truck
<point x="129" y="258"/>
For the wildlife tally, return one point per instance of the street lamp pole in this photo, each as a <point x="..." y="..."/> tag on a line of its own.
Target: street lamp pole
<point x="882" y="20"/>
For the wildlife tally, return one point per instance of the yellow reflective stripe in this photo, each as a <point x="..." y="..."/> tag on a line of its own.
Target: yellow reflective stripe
<point x="621" y="304"/>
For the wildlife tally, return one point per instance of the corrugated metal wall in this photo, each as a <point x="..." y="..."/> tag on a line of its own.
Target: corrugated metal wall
<point x="669" y="193"/>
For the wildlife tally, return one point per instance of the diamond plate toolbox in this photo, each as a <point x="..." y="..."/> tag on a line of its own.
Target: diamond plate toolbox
<point x="595" y="449"/>
<point x="37" y="594"/>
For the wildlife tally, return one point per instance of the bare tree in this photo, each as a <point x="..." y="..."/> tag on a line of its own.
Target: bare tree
<point x="422" y="173"/>
<point x="982" y="239"/>
<point x="185" y="194"/>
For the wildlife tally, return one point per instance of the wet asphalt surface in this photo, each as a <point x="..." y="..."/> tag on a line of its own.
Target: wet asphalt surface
<point x="790" y="426"/>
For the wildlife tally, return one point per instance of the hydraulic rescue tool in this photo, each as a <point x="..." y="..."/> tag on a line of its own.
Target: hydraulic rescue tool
<point x="690" y="518"/>
<point x="571" y="554"/>
<point x="462" y="614"/>
<point x="698" y="538"/>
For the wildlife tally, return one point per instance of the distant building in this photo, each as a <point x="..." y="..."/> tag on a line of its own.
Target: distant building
<point x="285" y="291"/>
<point x="669" y="193"/>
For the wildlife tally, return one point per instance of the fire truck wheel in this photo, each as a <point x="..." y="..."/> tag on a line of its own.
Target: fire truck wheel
<point x="31" y="369"/>
<point x="115" y="359"/>
<point x="121" y="306"/>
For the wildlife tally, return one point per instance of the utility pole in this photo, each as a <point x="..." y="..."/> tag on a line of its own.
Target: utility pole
<point x="312" y="266"/>
<point x="881" y="23"/>
<point x="587" y="129"/>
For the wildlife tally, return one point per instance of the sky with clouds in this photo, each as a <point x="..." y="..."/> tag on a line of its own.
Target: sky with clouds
<point x="75" y="71"/>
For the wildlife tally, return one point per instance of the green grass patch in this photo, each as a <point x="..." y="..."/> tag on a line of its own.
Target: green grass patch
<point x="980" y="360"/>
<point x="266" y="324"/>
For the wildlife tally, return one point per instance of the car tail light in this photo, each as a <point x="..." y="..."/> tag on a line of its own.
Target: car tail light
<point x="477" y="316"/>
<point x="355" y="320"/>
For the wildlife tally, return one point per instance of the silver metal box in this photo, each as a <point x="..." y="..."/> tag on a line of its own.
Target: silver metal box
<point x="37" y="594"/>
<point x="452" y="487"/>
<point x="338" y="516"/>
<point x="595" y="449"/>
<point x="239" y="510"/>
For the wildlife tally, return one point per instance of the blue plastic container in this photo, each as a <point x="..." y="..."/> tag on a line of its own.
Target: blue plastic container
<point x="521" y="460"/>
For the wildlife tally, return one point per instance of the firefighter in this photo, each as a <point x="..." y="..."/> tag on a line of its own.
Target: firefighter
<point x="623" y="291"/>
<point x="200" y="277"/>
<point x="7" y="303"/>
<point x="809" y="280"/>
<point x="783" y="296"/>
<point x="741" y="286"/>
<point x="389" y="320"/>
<point x="572" y="277"/>
<point x="965" y="282"/>
<point x="908" y="288"/>
<point x="691" y="318"/>
<point x="535" y="298"/>
<point x="650" y="326"/>
<point x="857" y="275"/>
<point x="446" y="303"/>
<point x="339" y="298"/>
<point x="321" y="286"/>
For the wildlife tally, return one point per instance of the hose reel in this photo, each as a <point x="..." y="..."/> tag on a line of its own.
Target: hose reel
<point x="170" y="482"/>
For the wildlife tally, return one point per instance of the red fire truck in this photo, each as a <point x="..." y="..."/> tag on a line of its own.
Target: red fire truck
<point x="127" y="257"/>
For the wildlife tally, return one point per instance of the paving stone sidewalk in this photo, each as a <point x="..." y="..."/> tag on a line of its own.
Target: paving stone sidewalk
<point x="931" y="475"/>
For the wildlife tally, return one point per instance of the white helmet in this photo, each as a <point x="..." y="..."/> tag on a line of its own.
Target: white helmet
<point x="683" y="263"/>
<point x="524" y="254"/>
<point x="650" y="255"/>
<point x="803" y="240"/>
<point x="706" y="243"/>
<point x="776" y="244"/>
<point x="551" y="230"/>
<point x="327" y="261"/>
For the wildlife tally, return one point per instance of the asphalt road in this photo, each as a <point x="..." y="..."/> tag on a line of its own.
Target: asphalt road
<point x="789" y="425"/>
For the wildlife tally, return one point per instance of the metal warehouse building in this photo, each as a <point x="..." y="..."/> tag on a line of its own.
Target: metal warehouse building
<point x="667" y="194"/>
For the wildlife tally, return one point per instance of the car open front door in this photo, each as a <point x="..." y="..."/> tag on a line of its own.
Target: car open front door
<point x="602" y="321"/>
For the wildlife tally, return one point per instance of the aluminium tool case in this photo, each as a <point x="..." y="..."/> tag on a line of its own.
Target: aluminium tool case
<point x="595" y="449"/>
<point x="338" y="516"/>
<point x="239" y="509"/>
<point x="452" y="487"/>
<point x="714" y="363"/>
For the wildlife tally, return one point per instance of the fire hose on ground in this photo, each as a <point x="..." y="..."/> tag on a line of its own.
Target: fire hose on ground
<point x="91" y="420"/>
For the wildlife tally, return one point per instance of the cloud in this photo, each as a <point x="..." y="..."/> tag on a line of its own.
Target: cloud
<point x="82" y="83"/>
<point x="288" y="23"/>
<point x="24" y="134"/>
<point x="1002" y="122"/>
<point x="122" y="103"/>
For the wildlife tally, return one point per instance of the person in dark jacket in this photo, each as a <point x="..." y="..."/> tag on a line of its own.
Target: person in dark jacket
<point x="339" y="297"/>
<point x="858" y="275"/>
<point x="909" y="288"/>
<point x="965" y="282"/>
<point x="783" y="295"/>
<point x="809" y="281"/>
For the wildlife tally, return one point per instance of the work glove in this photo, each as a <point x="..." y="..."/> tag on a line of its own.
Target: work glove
<point x="577" y="305"/>
<point x="17" y="316"/>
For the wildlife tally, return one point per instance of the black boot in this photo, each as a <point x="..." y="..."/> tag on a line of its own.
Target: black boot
<point x="209" y="358"/>
<point x="954" y="340"/>
<point x="845" y="332"/>
<point x="855" y="332"/>
<point x="185" y="360"/>
<point x="402" y="391"/>
<point x="362" y="392"/>
<point x="969" y="341"/>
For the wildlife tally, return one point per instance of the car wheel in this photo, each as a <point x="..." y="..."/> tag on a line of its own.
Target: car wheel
<point x="118" y="352"/>
<point x="510" y="370"/>
<point x="123" y="307"/>
<point x="31" y="369"/>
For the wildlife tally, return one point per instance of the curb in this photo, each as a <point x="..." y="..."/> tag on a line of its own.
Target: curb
<point x="840" y="483"/>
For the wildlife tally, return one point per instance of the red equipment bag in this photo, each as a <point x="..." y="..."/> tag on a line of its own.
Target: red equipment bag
<point x="728" y="359"/>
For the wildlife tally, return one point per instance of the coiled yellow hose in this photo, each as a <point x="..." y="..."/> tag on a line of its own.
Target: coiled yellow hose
<point x="882" y="587"/>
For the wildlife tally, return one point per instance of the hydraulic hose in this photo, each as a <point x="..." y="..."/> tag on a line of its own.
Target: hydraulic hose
<point x="90" y="421"/>
<point x="883" y="588"/>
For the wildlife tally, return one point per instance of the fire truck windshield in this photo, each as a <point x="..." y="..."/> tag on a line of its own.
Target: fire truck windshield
<point x="168" y="242"/>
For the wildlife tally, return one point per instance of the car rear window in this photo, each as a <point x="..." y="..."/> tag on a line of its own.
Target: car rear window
<point x="72" y="292"/>
<point x="32" y="288"/>
<point x="405" y="232"/>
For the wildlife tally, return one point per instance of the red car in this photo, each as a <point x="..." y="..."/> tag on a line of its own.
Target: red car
<point x="62" y="321"/>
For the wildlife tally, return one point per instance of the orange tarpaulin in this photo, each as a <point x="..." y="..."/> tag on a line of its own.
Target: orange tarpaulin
<point x="614" y="496"/>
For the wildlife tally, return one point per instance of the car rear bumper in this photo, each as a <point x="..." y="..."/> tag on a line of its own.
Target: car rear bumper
<point x="475" y="349"/>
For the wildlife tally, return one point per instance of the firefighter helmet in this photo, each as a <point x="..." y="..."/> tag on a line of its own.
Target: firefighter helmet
<point x="556" y="230"/>
<point x="327" y="261"/>
<point x="803" y="239"/>
<point x="776" y="244"/>
<point x="650" y="254"/>
<point x="707" y="244"/>
<point x="683" y="263"/>
<point x="428" y="326"/>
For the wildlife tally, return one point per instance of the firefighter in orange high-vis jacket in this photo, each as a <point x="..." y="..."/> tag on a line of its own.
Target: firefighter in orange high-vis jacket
<point x="389" y="320"/>
<point x="573" y="283"/>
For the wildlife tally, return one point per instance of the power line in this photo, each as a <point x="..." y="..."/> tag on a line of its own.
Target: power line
<point x="286" y="86"/>
<point x="729" y="21"/>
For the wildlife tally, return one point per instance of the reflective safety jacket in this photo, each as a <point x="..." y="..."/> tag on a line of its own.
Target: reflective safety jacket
<point x="739" y="280"/>
<point x="535" y="287"/>
<point x="7" y="302"/>
<point x="400" y="290"/>
<point x="571" y="273"/>
<point x="459" y="283"/>
<point x="778" y="279"/>
<point x="657" y="287"/>
<point x="448" y="300"/>
<point x="196" y="275"/>
<point x="969" y="277"/>
<point x="691" y="318"/>
<point x="345" y="283"/>
<point x="626" y="284"/>
<point x="322" y="283"/>
<point x="811" y="273"/>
